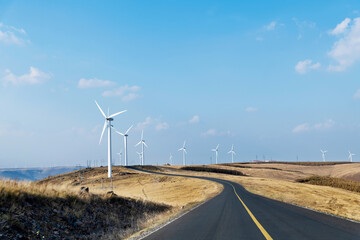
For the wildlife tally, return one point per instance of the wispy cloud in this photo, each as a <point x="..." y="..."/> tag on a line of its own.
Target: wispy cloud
<point x="152" y="122"/>
<point x="271" y="26"/>
<point x="126" y="92"/>
<point x="35" y="76"/>
<point x="162" y="126"/>
<point x="318" y="126"/>
<point x="302" y="26"/>
<point x="345" y="51"/>
<point x="214" y="132"/>
<point x="195" y="119"/>
<point x="357" y="94"/>
<point x="251" y="109"/>
<point x="94" y="82"/>
<point x="305" y="66"/>
<point x="341" y="27"/>
<point x="11" y="35"/>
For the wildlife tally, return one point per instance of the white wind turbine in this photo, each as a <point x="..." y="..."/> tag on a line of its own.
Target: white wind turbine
<point x="107" y="124"/>
<point x="323" y="154"/>
<point x="125" y="144"/>
<point x="120" y="154"/>
<point x="139" y="157"/>
<point x="351" y="155"/>
<point x="142" y="142"/>
<point x="183" y="149"/>
<point x="171" y="159"/>
<point x="216" y="150"/>
<point x="232" y="153"/>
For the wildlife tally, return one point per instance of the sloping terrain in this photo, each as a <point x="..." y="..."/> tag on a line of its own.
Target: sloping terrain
<point x="35" y="211"/>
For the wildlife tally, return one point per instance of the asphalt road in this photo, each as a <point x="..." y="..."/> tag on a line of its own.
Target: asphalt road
<point x="237" y="214"/>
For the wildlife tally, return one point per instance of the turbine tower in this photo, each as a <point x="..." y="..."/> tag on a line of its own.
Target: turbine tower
<point x="119" y="153"/>
<point x="232" y="153"/>
<point x="139" y="157"/>
<point x="125" y="143"/>
<point x="183" y="149"/>
<point x="323" y="154"/>
<point x="216" y="150"/>
<point x="351" y="155"/>
<point x="171" y="159"/>
<point x="142" y="142"/>
<point x="107" y="124"/>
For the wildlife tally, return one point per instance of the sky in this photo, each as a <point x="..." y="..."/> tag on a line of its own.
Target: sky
<point x="279" y="80"/>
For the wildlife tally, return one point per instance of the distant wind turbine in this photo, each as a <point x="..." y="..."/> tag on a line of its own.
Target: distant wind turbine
<point x="119" y="153"/>
<point x="142" y="142"/>
<point x="125" y="143"/>
<point x="216" y="150"/>
<point x="107" y="124"/>
<point x="139" y="156"/>
<point x="232" y="153"/>
<point x="351" y="155"/>
<point x="323" y="154"/>
<point x="183" y="149"/>
<point x="171" y="159"/>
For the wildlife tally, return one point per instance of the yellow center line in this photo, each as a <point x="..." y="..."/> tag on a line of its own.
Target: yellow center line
<point x="262" y="229"/>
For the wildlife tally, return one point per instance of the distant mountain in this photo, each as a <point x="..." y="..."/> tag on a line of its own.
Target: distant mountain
<point x="33" y="174"/>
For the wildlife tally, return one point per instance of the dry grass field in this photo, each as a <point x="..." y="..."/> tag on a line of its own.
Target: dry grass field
<point x="134" y="201"/>
<point x="279" y="181"/>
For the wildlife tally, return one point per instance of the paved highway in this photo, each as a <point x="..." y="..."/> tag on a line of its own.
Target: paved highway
<point x="237" y="214"/>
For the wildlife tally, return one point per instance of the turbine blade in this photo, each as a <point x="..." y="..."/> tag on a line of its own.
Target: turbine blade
<point x="145" y="144"/>
<point x="185" y="151"/>
<point x="129" y="129"/>
<point x="138" y="144"/>
<point x="184" y="144"/>
<point x="142" y="134"/>
<point x="120" y="133"/>
<point x="102" y="112"/>
<point x="115" y="114"/>
<point x="102" y="133"/>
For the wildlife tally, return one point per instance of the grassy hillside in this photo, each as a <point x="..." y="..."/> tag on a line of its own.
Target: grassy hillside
<point x="38" y="211"/>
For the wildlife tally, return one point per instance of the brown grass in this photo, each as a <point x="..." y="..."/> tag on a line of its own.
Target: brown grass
<point x="304" y="163"/>
<point x="34" y="211"/>
<point x="332" y="182"/>
<point x="213" y="170"/>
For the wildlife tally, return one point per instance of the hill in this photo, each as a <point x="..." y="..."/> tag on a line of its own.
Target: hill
<point x="33" y="174"/>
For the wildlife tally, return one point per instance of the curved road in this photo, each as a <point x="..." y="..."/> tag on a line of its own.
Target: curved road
<point x="237" y="214"/>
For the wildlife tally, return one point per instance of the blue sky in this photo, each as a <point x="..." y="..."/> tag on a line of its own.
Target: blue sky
<point x="273" y="78"/>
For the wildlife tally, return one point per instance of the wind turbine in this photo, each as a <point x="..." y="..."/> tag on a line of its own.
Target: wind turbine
<point x="125" y="143"/>
<point x="216" y="150"/>
<point x="119" y="153"/>
<point x="171" y="159"/>
<point x="184" y="153"/>
<point x="323" y="154"/>
<point x="351" y="155"/>
<point x="232" y="153"/>
<point x="107" y="124"/>
<point x="139" y="156"/>
<point x="142" y="142"/>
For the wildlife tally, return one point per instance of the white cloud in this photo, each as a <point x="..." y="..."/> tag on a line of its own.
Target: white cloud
<point x="346" y="50"/>
<point x="305" y="66"/>
<point x="214" y="132"/>
<point x="271" y="26"/>
<point x="10" y="35"/>
<point x="318" y="126"/>
<point x="341" y="27"/>
<point x="195" y="119"/>
<point x="357" y="94"/>
<point x="251" y="109"/>
<point x="127" y="92"/>
<point x="159" y="125"/>
<point x="94" y="82"/>
<point x="301" y="128"/>
<point x="162" y="126"/>
<point x="35" y="76"/>
<point x="144" y="124"/>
